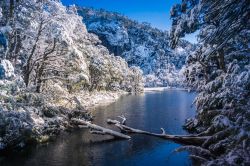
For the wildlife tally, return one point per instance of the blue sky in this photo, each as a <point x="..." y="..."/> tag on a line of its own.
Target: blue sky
<point x="156" y="12"/>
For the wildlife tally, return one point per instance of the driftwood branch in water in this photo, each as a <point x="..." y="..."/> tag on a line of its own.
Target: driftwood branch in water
<point x="182" y="139"/>
<point x="123" y="119"/>
<point x="95" y="129"/>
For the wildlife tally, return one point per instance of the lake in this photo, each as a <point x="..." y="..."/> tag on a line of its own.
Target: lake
<point x="149" y="111"/>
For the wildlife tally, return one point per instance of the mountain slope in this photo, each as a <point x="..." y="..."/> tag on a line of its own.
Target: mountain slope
<point x="139" y="44"/>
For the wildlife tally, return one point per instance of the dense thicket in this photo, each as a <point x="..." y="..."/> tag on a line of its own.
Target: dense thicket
<point x="220" y="71"/>
<point x="47" y="41"/>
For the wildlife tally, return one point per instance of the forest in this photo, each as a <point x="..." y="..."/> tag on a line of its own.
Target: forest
<point x="58" y="63"/>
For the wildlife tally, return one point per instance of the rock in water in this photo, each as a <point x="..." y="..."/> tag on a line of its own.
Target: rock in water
<point x="6" y="70"/>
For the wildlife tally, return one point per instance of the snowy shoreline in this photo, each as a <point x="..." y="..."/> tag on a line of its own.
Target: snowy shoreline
<point x="160" y="89"/>
<point x="47" y="121"/>
<point x="102" y="98"/>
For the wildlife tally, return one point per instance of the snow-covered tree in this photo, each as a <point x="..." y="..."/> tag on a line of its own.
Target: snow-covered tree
<point x="49" y="42"/>
<point x="219" y="69"/>
<point x="47" y="60"/>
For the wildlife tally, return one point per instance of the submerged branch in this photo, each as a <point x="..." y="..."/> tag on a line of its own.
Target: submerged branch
<point x="182" y="139"/>
<point x="95" y="129"/>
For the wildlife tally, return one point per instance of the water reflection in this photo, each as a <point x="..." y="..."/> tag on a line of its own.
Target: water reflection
<point x="150" y="111"/>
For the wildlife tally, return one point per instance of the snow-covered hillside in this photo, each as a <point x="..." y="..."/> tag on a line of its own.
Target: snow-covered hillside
<point x="140" y="45"/>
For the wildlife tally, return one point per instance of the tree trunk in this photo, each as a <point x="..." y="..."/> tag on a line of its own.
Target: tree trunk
<point x="95" y="129"/>
<point x="221" y="60"/>
<point x="28" y="68"/>
<point x="41" y="68"/>
<point x="182" y="139"/>
<point x="26" y="76"/>
<point x="39" y="78"/>
<point x="12" y="6"/>
<point x="38" y="86"/>
<point x="18" y="45"/>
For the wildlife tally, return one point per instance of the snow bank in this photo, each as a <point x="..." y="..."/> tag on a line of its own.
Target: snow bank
<point x="160" y="89"/>
<point x="95" y="99"/>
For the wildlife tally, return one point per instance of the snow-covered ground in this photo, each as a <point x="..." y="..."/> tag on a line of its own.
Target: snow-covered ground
<point x="101" y="98"/>
<point x="154" y="89"/>
<point x="159" y="89"/>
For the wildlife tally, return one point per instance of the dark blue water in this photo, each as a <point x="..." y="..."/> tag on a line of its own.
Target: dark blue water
<point x="149" y="111"/>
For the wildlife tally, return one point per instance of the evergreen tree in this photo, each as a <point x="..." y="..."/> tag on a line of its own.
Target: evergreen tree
<point x="219" y="69"/>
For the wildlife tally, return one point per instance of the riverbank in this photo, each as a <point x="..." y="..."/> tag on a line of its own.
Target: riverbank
<point x="80" y="147"/>
<point x="101" y="98"/>
<point x="36" y="120"/>
<point x="159" y="89"/>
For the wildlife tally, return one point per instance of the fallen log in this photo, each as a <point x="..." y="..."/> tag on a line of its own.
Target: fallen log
<point x="95" y="129"/>
<point x="182" y="139"/>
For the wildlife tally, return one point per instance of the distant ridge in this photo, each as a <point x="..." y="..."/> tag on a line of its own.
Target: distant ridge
<point x="139" y="44"/>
